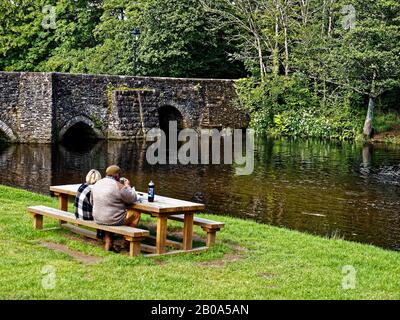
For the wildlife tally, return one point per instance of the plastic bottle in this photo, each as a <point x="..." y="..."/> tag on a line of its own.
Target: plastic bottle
<point x="150" y="191"/>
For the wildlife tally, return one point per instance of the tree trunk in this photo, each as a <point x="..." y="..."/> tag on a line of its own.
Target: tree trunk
<point x="275" y="51"/>
<point x="368" y="120"/>
<point x="304" y="11"/>
<point x="286" y="52"/>
<point x="330" y="19"/>
<point x="275" y="62"/>
<point x="323" y="18"/>
<point x="284" y="20"/>
<point x="261" y="59"/>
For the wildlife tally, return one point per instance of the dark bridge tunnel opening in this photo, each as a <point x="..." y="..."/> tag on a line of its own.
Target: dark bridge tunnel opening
<point x="4" y="138"/>
<point x="167" y="114"/>
<point x="79" y="135"/>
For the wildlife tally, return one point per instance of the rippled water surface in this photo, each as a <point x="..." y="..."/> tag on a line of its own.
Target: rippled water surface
<point x="332" y="189"/>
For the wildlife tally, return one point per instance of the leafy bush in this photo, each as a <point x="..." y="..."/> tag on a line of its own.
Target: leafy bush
<point x="385" y="121"/>
<point x="293" y="107"/>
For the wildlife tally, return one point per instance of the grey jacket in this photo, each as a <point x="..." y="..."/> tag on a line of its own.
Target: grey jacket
<point x="110" y="200"/>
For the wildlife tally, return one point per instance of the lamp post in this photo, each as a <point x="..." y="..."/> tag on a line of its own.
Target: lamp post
<point x="135" y="36"/>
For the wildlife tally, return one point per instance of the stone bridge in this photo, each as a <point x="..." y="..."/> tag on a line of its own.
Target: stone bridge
<point x="48" y="107"/>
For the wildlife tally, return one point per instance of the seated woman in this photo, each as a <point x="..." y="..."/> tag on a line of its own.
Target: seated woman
<point x="83" y="204"/>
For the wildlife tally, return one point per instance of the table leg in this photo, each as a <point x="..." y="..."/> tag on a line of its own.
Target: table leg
<point x="188" y="231"/>
<point x="63" y="204"/>
<point x="38" y="221"/>
<point x="161" y="234"/>
<point x="134" y="246"/>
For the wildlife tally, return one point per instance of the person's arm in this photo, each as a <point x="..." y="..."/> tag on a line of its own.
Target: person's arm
<point x="76" y="200"/>
<point x="128" y="195"/>
<point x="91" y="197"/>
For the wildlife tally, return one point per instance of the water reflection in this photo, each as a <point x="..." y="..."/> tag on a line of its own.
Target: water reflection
<point x="315" y="186"/>
<point x="26" y="166"/>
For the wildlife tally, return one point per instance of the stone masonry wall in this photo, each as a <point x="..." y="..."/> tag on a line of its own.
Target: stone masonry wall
<point x="35" y="107"/>
<point x="26" y="106"/>
<point x="41" y="107"/>
<point x="9" y="111"/>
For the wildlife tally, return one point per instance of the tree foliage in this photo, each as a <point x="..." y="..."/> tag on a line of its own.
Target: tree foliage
<point x="94" y="36"/>
<point x="346" y="50"/>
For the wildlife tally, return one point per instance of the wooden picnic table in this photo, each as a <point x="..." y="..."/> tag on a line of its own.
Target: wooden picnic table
<point x="161" y="209"/>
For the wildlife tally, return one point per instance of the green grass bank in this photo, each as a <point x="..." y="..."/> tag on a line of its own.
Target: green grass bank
<point x="250" y="261"/>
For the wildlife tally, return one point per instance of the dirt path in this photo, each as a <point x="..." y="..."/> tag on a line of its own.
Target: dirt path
<point x="79" y="256"/>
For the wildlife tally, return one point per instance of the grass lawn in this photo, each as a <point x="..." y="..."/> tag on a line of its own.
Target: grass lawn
<point x="249" y="261"/>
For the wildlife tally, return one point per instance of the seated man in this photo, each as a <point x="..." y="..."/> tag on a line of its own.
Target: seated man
<point x="110" y="199"/>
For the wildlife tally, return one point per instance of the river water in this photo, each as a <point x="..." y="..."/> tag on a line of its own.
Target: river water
<point x="327" y="188"/>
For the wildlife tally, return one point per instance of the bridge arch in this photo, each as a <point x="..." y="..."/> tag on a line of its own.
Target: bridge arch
<point x="6" y="132"/>
<point x="172" y="112"/>
<point x="82" y="126"/>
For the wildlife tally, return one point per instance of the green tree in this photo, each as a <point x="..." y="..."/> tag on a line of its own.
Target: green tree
<point x="179" y="40"/>
<point x="113" y="53"/>
<point x="367" y="55"/>
<point x="24" y="43"/>
<point x="74" y="34"/>
<point x="41" y="35"/>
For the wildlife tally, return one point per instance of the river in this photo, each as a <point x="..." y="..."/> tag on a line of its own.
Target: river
<point x="333" y="189"/>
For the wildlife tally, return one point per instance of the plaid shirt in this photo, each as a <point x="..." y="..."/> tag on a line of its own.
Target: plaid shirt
<point x="82" y="204"/>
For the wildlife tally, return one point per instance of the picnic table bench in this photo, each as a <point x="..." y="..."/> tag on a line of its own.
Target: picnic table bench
<point x="209" y="226"/>
<point x="133" y="235"/>
<point x="163" y="208"/>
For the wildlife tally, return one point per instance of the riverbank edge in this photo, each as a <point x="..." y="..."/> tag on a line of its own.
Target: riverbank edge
<point x="287" y="264"/>
<point x="385" y="138"/>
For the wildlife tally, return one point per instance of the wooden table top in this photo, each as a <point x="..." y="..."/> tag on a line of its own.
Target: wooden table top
<point x="160" y="205"/>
